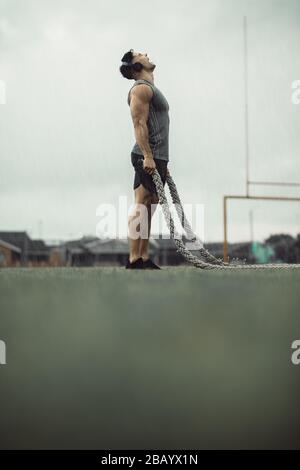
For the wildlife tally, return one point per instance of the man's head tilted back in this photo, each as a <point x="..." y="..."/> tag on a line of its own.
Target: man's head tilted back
<point x="134" y="72"/>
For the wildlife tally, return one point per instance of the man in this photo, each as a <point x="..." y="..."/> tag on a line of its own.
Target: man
<point x="150" y="115"/>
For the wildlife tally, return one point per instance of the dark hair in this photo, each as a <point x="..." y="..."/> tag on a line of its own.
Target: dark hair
<point x="126" y="70"/>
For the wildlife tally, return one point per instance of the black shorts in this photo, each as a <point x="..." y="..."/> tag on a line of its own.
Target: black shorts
<point x="142" y="177"/>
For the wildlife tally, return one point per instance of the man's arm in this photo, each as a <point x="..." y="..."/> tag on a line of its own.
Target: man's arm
<point x="139" y="108"/>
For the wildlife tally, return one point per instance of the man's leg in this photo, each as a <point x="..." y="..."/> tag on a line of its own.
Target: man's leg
<point x="144" y="243"/>
<point x="142" y="196"/>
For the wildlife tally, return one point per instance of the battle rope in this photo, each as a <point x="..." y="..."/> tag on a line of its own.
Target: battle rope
<point x="205" y="260"/>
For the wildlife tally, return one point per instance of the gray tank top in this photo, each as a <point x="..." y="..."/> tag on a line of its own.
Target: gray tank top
<point x="158" y="123"/>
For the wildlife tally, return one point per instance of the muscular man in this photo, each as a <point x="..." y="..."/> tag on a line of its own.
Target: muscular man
<point x="150" y="115"/>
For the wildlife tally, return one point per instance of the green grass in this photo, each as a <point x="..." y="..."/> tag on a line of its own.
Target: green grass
<point x="180" y="358"/>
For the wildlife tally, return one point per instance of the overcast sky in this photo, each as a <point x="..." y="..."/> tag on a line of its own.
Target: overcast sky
<point x="66" y="131"/>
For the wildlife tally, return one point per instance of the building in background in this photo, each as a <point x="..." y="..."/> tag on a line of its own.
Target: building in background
<point x="18" y="249"/>
<point x="263" y="252"/>
<point x="10" y="255"/>
<point x="30" y="252"/>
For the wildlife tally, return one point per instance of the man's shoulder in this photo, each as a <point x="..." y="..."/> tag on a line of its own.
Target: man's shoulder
<point x="142" y="87"/>
<point x="142" y="90"/>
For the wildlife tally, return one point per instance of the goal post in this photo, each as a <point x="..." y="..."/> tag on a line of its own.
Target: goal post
<point x="248" y="181"/>
<point x="226" y="198"/>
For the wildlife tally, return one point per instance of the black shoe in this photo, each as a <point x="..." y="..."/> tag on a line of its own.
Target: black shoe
<point x="137" y="264"/>
<point x="148" y="264"/>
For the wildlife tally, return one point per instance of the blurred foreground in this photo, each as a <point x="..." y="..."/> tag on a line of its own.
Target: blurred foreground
<point x="177" y="359"/>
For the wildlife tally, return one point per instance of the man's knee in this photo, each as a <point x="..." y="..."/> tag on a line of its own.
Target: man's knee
<point x="154" y="199"/>
<point x="145" y="199"/>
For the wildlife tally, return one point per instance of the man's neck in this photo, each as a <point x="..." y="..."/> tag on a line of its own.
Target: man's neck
<point x="147" y="76"/>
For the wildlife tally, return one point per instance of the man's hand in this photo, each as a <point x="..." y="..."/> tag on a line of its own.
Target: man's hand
<point x="149" y="165"/>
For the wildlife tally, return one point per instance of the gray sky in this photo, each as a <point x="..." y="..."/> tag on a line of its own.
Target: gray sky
<point x="66" y="131"/>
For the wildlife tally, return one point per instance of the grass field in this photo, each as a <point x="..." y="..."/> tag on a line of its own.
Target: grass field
<point x="177" y="359"/>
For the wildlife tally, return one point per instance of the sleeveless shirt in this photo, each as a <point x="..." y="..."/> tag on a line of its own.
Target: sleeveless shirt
<point x="157" y="123"/>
